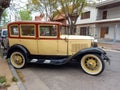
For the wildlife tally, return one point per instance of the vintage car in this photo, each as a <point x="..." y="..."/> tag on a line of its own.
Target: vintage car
<point x="50" y="43"/>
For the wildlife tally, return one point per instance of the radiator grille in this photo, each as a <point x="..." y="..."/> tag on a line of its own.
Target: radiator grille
<point x="77" y="47"/>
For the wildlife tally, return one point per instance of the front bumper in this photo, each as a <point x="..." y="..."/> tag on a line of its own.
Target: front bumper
<point x="105" y="57"/>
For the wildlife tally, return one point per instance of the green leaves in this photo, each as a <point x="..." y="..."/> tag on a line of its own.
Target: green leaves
<point x="35" y="2"/>
<point x="25" y="15"/>
<point x="2" y="79"/>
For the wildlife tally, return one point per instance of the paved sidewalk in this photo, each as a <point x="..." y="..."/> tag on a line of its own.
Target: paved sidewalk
<point x="5" y="71"/>
<point x="110" y="46"/>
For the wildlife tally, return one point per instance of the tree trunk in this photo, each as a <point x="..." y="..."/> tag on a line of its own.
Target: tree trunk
<point x="71" y="22"/>
<point x="3" y="5"/>
<point x="1" y="11"/>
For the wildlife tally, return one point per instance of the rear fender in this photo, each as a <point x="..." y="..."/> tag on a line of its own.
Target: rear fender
<point x="18" y="48"/>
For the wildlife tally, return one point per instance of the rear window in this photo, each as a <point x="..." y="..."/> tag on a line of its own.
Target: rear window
<point x="14" y="30"/>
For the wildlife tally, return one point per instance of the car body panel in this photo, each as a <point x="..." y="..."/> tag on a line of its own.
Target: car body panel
<point x="30" y="45"/>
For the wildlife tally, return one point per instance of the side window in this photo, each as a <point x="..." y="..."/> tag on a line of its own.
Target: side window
<point x="27" y="30"/>
<point x="48" y="30"/>
<point x="14" y="30"/>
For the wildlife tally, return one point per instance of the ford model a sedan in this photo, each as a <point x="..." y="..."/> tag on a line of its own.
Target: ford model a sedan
<point x="50" y="43"/>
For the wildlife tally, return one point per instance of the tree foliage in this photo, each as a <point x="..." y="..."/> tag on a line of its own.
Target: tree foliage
<point x="25" y="15"/>
<point x="42" y="6"/>
<point x="71" y="9"/>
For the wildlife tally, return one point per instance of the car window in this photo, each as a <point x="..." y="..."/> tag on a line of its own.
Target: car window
<point x="48" y="30"/>
<point x="14" y="30"/>
<point x="27" y="30"/>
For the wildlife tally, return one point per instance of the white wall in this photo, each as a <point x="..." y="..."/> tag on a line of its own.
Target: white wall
<point x="93" y="15"/>
<point x="111" y="13"/>
<point x="110" y="35"/>
<point x="96" y="15"/>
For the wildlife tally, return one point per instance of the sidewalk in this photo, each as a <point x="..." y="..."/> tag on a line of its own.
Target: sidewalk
<point x="110" y="46"/>
<point x="5" y="71"/>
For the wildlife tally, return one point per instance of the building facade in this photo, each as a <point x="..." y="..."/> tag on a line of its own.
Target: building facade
<point x="83" y="24"/>
<point x="102" y="21"/>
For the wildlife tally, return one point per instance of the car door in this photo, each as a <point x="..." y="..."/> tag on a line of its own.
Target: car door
<point x="28" y="37"/>
<point x="48" y="39"/>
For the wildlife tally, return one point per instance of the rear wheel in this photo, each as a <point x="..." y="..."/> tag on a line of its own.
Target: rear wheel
<point x="92" y="64"/>
<point x="18" y="59"/>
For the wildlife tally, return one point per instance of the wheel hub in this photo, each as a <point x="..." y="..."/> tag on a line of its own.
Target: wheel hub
<point x="91" y="64"/>
<point x="18" y="59"/>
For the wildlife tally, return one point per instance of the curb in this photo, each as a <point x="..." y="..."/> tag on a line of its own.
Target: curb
<point x="111" y="50"/>
<point x="14" y="73"/>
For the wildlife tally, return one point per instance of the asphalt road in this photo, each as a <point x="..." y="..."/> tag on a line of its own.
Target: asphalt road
<point x="71" y="77"/>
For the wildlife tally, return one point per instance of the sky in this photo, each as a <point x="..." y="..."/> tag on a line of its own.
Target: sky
<point x="13" y="10"/>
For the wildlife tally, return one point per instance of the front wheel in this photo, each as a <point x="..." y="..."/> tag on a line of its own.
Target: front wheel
<point x="18" y="59"/>
<point x="92" y="64"/>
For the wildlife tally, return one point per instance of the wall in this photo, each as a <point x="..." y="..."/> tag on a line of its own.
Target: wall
<point x="110" y="35"/>
<point x="91" y="29"/>
<point x="111" y="13"/>
<point x="93" y="14"/>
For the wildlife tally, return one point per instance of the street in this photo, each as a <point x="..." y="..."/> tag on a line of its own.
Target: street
<point x="71" y="77"/>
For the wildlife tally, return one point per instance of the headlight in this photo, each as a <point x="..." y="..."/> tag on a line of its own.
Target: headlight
<point x="94" y="43"/>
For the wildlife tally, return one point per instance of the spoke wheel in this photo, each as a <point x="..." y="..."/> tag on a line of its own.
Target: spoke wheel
<point x="92" y="64"/>
<point x="17" y="59"/>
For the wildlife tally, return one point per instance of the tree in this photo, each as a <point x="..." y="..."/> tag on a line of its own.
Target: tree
<point x="25" y="15"/>
<point x="44" y="7"/>
<point x="4" y="19"/>
<point x="70" y="9"/>
<point x="3" y="5"/>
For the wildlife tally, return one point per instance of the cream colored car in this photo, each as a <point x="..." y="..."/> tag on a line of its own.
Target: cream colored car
<point x="50" y="43"/>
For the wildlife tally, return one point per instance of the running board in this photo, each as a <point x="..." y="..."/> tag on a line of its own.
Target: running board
<point x="50" y="61"/>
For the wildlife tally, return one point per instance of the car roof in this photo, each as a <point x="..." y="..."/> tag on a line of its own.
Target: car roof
<point x="35" y="22"/>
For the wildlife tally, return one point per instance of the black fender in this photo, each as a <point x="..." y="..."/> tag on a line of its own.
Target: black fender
<point x="92" y="50"/>
<point x="18" y="47"/>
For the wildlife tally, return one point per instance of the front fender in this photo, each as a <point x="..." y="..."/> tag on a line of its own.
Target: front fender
<point x="92" y="50"/>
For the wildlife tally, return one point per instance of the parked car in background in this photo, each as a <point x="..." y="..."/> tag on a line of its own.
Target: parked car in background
<point x="51" y="43"/>
<point x="4" y="33"/>
<point x="4" y="38"/>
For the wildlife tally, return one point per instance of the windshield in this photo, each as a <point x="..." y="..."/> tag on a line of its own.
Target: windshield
<point x="64" y="30"/>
